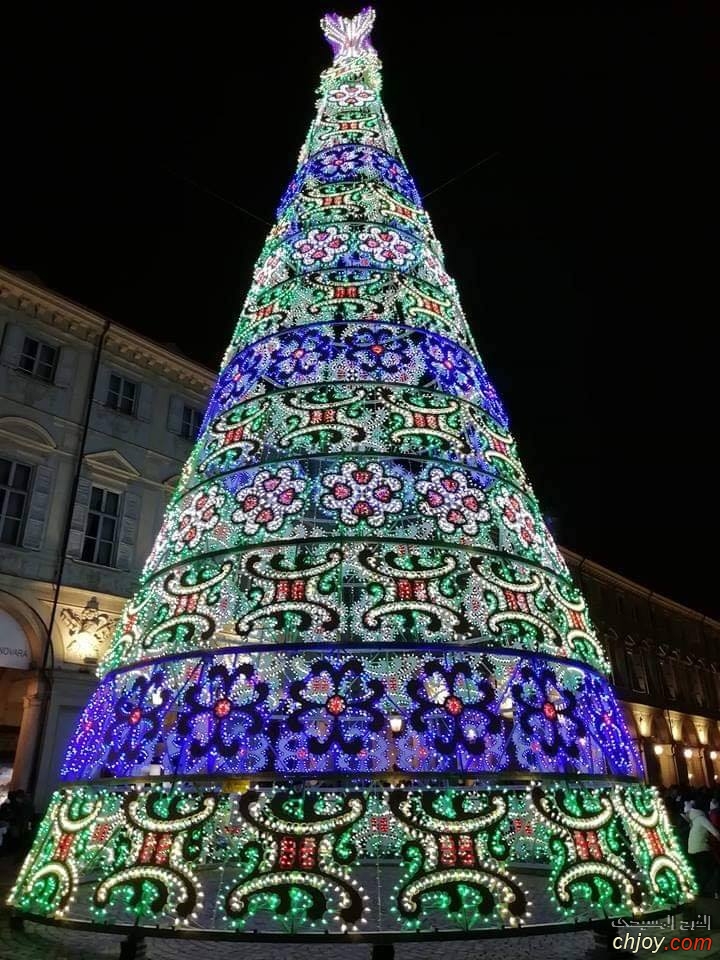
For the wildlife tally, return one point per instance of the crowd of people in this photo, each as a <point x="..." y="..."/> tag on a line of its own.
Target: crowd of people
<point x="694" y="812"/>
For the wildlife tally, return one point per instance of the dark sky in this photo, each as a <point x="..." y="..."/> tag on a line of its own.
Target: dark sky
<point x="582" y="249"/>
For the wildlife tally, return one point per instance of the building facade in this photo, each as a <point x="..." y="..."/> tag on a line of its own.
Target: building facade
<point x="666" y="670"/>
<point x="96" y="422"/>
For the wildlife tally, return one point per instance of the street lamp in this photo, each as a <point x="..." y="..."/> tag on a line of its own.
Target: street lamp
<point x="659" y="749"/>
<point x="396" y="723"/>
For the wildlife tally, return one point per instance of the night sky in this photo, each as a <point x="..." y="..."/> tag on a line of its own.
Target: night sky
<point x="581" y="248"/>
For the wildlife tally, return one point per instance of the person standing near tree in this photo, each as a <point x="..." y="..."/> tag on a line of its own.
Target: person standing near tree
<point x="700" y="852"/>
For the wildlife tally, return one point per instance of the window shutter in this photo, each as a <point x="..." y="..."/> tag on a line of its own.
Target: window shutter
<point x="128" y="532"/>
<point x="65" y="369"/>
<point x="175" y="413"/>
<point x="101" y="384"/>
<point x="79" y="518"/>
<point x="38" y="508"/>
<point x="144" y="402"/>
<point x="13" y="342"/>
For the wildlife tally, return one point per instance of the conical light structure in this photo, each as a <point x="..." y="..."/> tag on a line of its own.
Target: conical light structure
<point x="355" y="656"/>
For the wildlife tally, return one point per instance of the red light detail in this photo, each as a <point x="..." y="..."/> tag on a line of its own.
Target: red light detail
<point x="466" y="850"/>
<point x="288" y="851"/>
<point x="655" y="842"/>
<point x="147" y="850"/>
<point x="454" y="706"/>
<point x="411" y="590"/>
<point x="448" y="857"/>
<point x="307" y="855"/>
<point x="162" y="850"/>
<point x="335" y="705"/>
<point x="380" y="824"/>
<point x="101" y="833"/>
<point x="63" y="847"/>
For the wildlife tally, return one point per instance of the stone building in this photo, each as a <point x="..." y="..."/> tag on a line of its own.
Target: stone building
<point x="666" y="668"/>
<point x="96" y="422"/>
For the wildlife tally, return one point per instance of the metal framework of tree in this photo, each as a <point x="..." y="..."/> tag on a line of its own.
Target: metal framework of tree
<point x="356" y="686"/>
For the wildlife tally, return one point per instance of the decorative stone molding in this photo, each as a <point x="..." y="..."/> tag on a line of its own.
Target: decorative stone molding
<point x="70" y="318"/>
<point x="87" y="631"/>
<point x="112" y="463"/>
<point x="27" y="433"/>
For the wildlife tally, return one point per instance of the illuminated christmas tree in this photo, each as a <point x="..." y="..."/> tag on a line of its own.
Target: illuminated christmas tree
<point x="356" y="687"/>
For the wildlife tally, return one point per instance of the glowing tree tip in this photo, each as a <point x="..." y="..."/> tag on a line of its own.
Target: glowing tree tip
<point x="349" y="36"/>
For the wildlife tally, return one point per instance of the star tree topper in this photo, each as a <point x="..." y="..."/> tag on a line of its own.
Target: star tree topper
<point x="349" y="36"/>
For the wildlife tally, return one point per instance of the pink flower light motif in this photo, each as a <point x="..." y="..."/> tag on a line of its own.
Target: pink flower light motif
<point x="201" y="515"/>
<point x="351" y="95"/>
<point x="517" y="517"/>
<point x="452" y="500"/>
<point x="387" y="247"/>
<point x="362" y="493"/>
<point x="341" y="161"/>
<point x="268" y="500"/>
<point x="436" y="271"/>
<point x="270" y="272"/>
<point x="320" y="246"/>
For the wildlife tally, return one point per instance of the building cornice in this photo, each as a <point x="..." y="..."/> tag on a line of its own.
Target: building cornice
<point x="579" y="562"/>
<point x="71" y="318"/>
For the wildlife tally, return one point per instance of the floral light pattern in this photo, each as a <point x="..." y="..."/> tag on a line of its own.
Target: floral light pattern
<point x="517" y="517"/>
<point x="337" y="701"/>
<point x="386" y="247"/>
<point x="268" y="500"/>
<point x="201" y="515"/>
<point x="351" y="95"/>
<point x="362" y="493"/>
<point x="136" y="722"/>
<point x="455" y="502"/>
<point x="320" y="246"/>
<point x="339" y="162"/>
<point x="221" y="711"/>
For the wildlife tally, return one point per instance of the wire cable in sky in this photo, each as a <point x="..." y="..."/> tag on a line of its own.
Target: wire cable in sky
<point x="217" y="196"/>
<point x="495" y="153"/>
